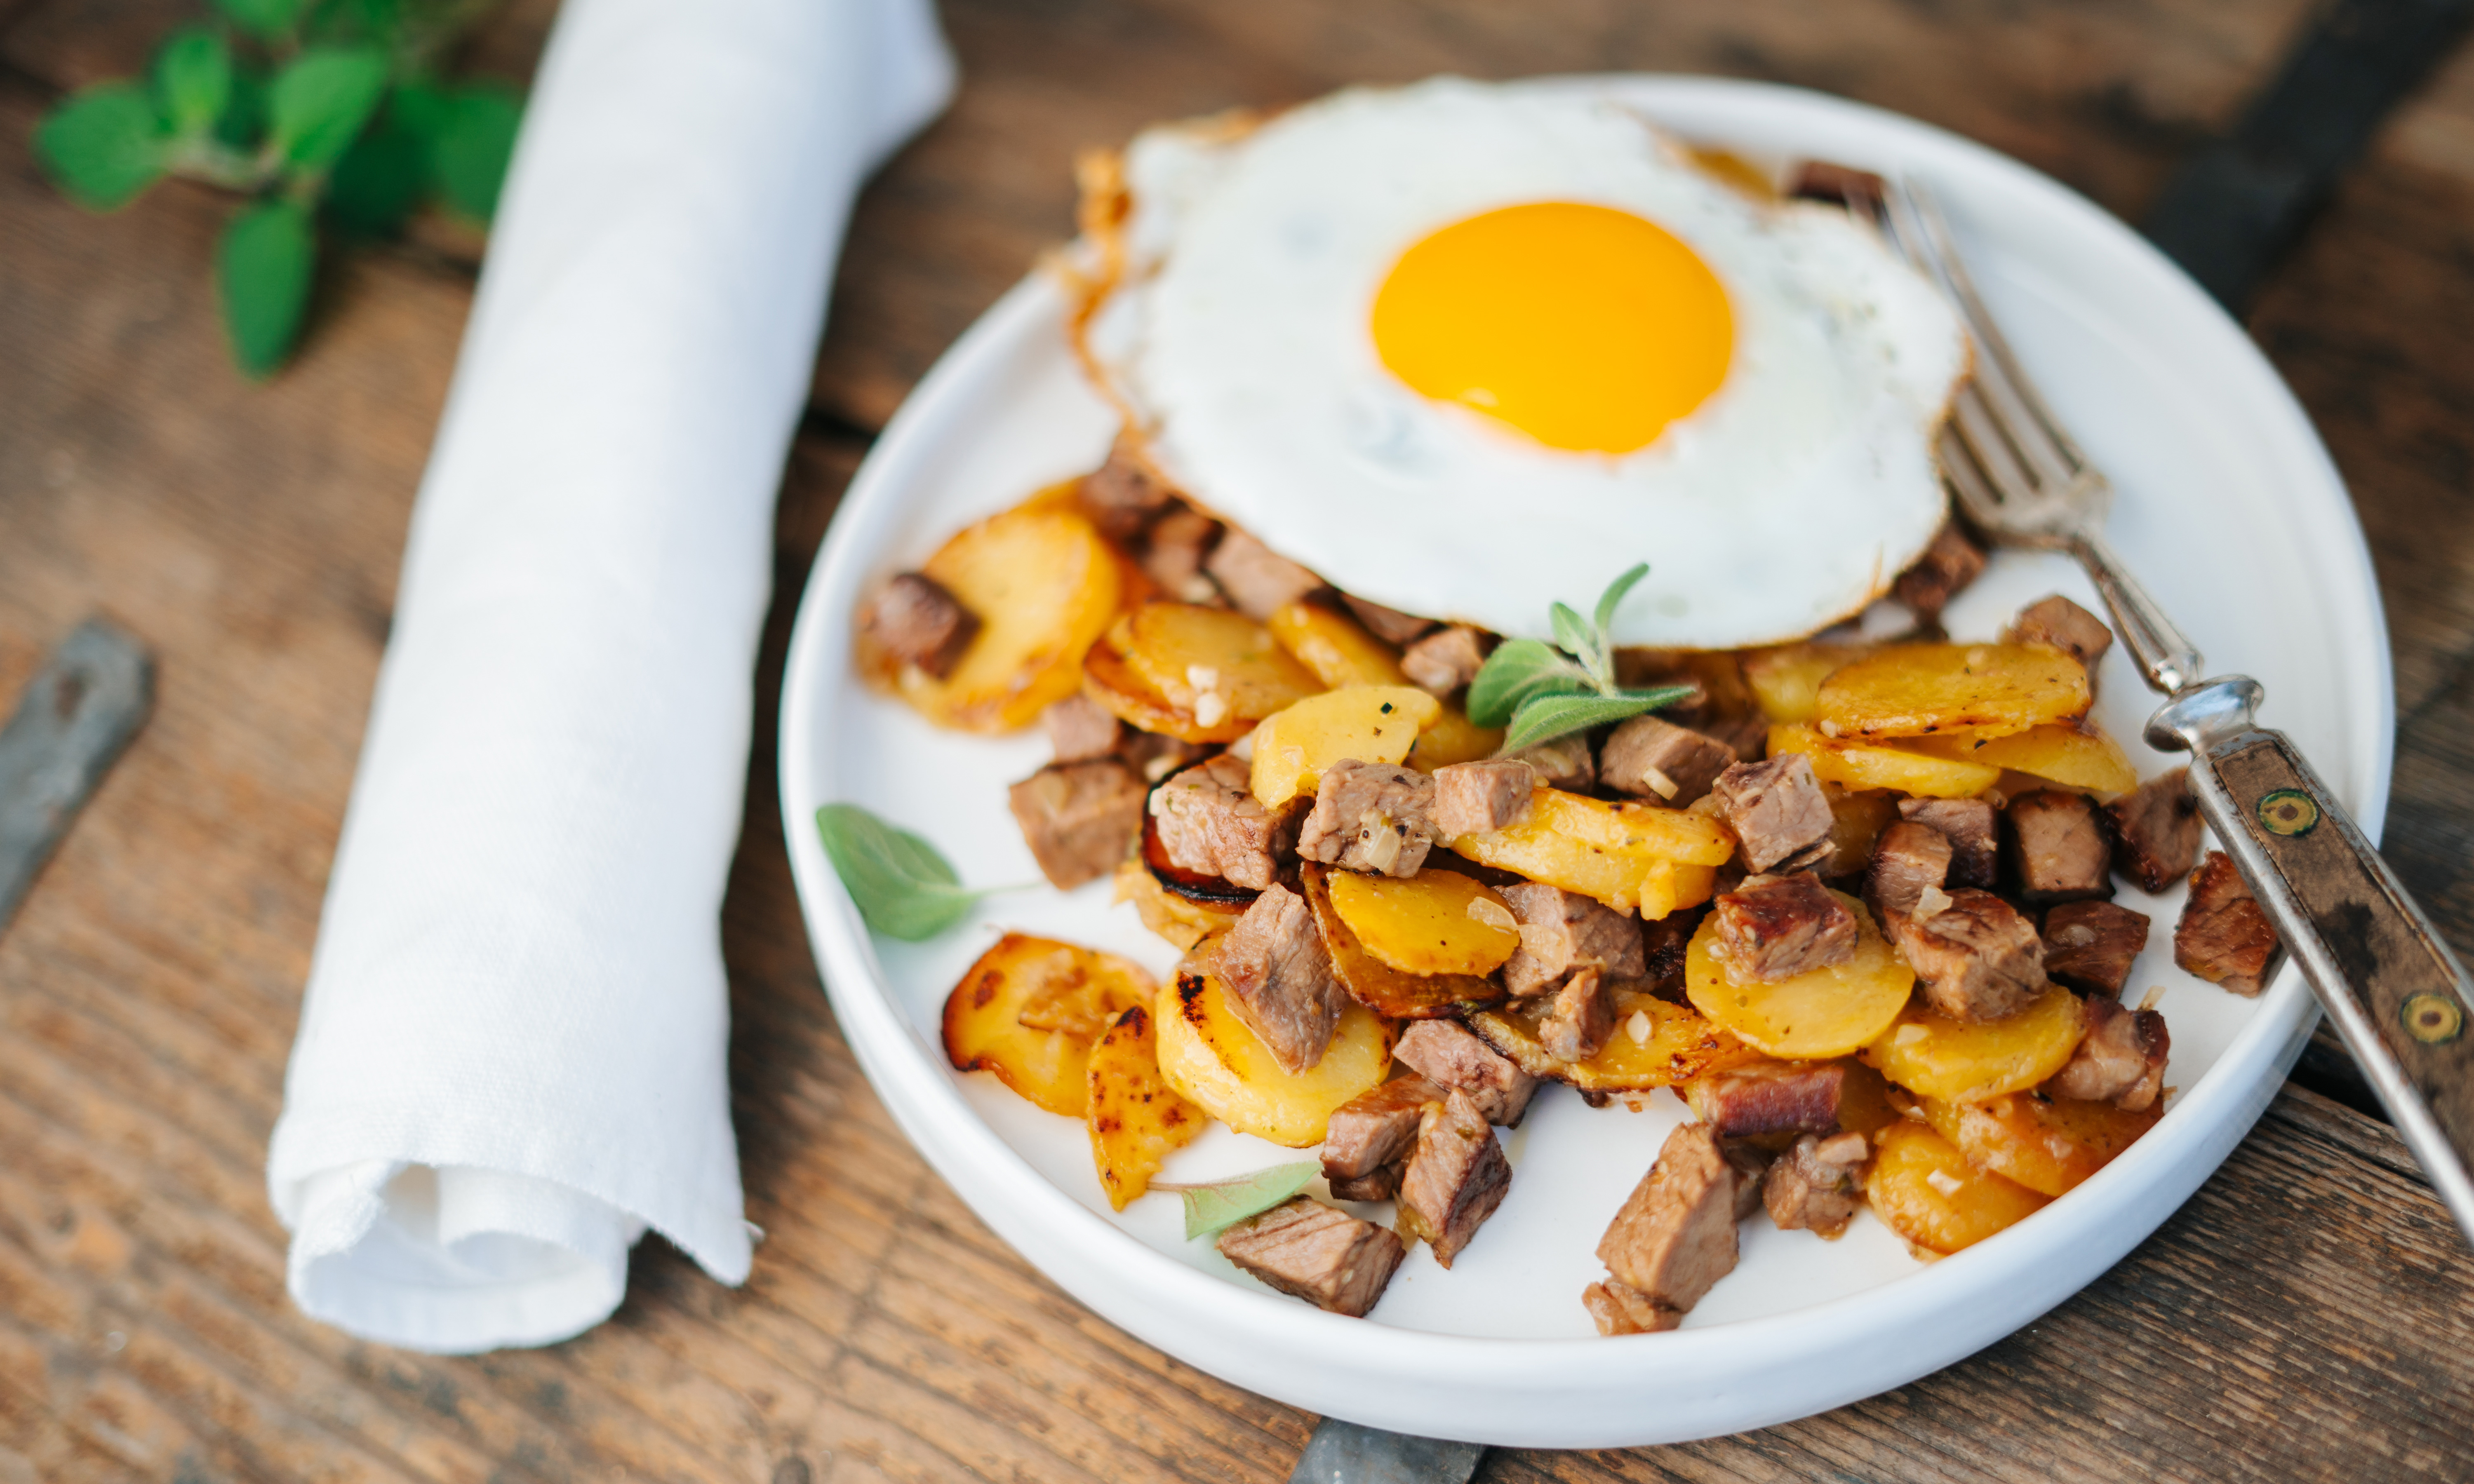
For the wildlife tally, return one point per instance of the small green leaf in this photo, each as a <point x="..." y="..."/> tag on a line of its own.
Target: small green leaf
<point x="267" y="20"/>
<point x="103" y="145"/>
<point x="1517" y="670"/>
<point x="380" y="178"/>
<point x="1571" y="635"/>
<point x="900" y="886"/>
<point x="193" y="77"/>
<point x="1545" y="718"/>
<point x="1613" y="597"/>
<point x="322" y="99"/>
<point x="470" y="149"/>
<point x="1216" y="1205"/>
<point x="263" y="267"/>
<point x="243" y="121"/>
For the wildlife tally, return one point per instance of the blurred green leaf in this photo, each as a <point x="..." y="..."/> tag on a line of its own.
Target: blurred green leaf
<point x="263" y="268"/>
<point x="267" y="20"/>
<point x="470" y="150"/>
<point x="359" y="20"/>
<point x="193" y="77"/>
<point x="380" y="180"/>
<point x="103" y="145"/>
<point x="322" y="99"/>
<point x="243" y="121"/>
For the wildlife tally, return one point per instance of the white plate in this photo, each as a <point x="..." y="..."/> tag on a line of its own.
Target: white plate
<point x="2229" y="508"/>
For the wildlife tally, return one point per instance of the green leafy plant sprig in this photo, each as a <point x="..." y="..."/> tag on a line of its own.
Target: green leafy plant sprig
<point x="902" y="886"/>
<point x="1217" y="1205"/>
<point x="328" y="113"/>
<point x="1541" y="691"/>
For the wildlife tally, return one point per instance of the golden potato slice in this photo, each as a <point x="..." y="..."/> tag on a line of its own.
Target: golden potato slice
<point x="1931" y="1054"/>
<point x="1434" y="923"/>
<point x="1857" y="817"/>
<point x="1785" y="681"/>
<point x="1631" y="856"/>
<point x="1370" y="723"/>
<point x="1914" y="690"/>
<point x="1044" y="585"/>
<point x="2072" y="756"/>
<point x="1657" y="1043"/>
<point x="2048" y="1144"/>
<point x="1341" y="652"/>
<point x="1810" y="1017"/>
<point x="1453" y="738"/>
<point x="1927" y="1191"/>
<point x="1137" y="1118"/>
<point x="1030" y="1008"/>
<point x="1210" y="662"/>
<point x="1392" y="993"/>
<point x="1210" y="1057"/>
<point x="1182" y="919"/>
<point x="1858" y="765"/>
<point x="1110" y="681"/>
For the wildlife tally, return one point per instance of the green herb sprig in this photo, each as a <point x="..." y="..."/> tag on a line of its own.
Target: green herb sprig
<point x="1216" y="1205"/>
<point x="1542" y="691"/>
<point x="901" y="885"/>
<point x="330" y="113"/>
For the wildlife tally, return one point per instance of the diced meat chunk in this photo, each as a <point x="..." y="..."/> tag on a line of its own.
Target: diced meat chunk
<point x="1121" y="495"/>
<point x="2156" y="831"/>
<point x="1209" y="821"/>
<point x="1370" y="816"/>
<point x="1949" y="565"/>
<point x="1908" y="858"/>
<point x="1777" y="811"/>
<point x="2225" y="937"/>
<point x="1449" y="1054"/>
<point x="1443" y="660"/>
<point x="1473" y="798"/>
<point x="1619" y="1309"/>
<point x="1080" y="728"/>
<point x="1279" y="978"/>
<point x="1748" y="737"/>
<point x="1375" y="1128"/>
<point x="1666" y="944"/>
<point x="1380" y="1183"/>
<point x="1561" y="931"/>
<point x="1390" y="625"/>
<point x="2058" y="848"/>
<point x="1773" y="927"/>
<point x="1578" y="1018"/>
<point x="914" y="619"/>
<point x="1675" y="1237"/>
<point x="1079" y="818"/>
<point x="1565" y="762"/>
<point x="1327" y="1258"/>
<point x="1977" y="958"/>
<point x="1255" y="577"/>
<point x="1651" y="757"/>
<point x="1974" y="841"/>
<point x="1457" y="1176"/>
<point x="2089" y="945"/>
<point x="1175" y="550"/>
<point x="2066" y="626"/>
<point x="1813" y="1186"/>
<point x="1769" y="1098"/>
<point x="2120" y="1060"/>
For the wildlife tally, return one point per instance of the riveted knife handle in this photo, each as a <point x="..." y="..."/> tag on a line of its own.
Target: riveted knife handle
<point x="2398" y="997"/>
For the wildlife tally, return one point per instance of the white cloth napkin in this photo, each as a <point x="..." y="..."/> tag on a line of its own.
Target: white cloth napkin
<point x="511" y="1058"/>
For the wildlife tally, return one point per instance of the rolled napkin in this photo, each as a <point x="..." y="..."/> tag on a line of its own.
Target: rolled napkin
<point x="511" y="1060"/>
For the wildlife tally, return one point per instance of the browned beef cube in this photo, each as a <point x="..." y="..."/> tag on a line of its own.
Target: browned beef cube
<point x="1748" y="737"/>
<point x="1443" y="660"/>
<point x="1815" y="1185"/>
<point x="1121" y="495"/>
<point x="1210" y="822"/>
<point x="2089" y="945"/>
<point x="1173" y="551"/>
<point x="1973" y="837"/>
<point x="1279" y="978"/>
<point x="1079" y="818"/>
<point x="1080" y="728"/>
<point x="1390" y="625"/>
<point x="1446" y="1054"/>
<point x="1327" y="1258"/>
<point x="1651" y="757"/>
<point x="1949" y="563"/>
<point x="1375" y="1128"/>
<point x="1772" y="928"/>
<point x="1769" y="1098"/>
<point x="1370" y="816"/>
<point x="2057" y="847"/>
<point x="1908" y="858"/>
<point x="1666" y="944"/>
<point x="1380" y="1183"/>
<point x="1578" y="1018"/>
<point x="2223" y="936"/>
<point x="1619" y="1309"/>
<point x="1567" y="762"/>
<point x="1752" y="1163"/>
<point x="1561" y="931"/>
<point x="1975" y="957"/>
<point x="1675" y="1237"/>
<point x="1473" y="798"/>
<point x="2156" y="831"/>
<point x="1156" y="757"/>
<point x="1777" y="811"/>
<point x="1457" y="1176"/>
<point x="916" y="621"/>
<point x="2120" y="1060"/>
<point x="2066" y="626"/>
<point x="1256" y="579"/>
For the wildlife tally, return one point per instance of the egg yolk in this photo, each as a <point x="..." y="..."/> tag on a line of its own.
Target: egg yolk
<point x="1585" y="327"/>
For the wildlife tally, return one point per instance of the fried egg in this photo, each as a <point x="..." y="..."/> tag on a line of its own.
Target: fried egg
<point x="1471" y="349"/>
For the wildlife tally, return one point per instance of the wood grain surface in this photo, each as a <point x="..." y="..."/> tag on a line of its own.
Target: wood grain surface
<point x="2310" y="1314"/>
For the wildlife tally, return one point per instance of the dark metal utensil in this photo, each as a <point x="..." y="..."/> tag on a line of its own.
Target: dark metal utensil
<point x="77" y="714"/>
<point x="1346" y="1453"/>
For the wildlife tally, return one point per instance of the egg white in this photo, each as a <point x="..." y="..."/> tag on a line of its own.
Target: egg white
<point x="1238" y="337"/>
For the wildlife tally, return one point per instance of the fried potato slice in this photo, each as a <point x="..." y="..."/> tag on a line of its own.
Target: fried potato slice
<point x="1183" y="920"/>
<point x="1211" y="662"/>
<point x="1434" y="923"/>
<point x="1785" y="681"/>
<point x="1914" y="690"/>
<point x="1044" y="585"/>
<point x="1931" y="1055"/>
<point x="1210" y="1057"/>
<point x="1631" y="856"/>
<point x="1657" y="1043"/>
<point x="1389" y="989"/>
<point x="1370" y="723"/>
<point x="1864" y="766"/>
<point x="1137" y="1118"/>
<point x="1813" y="1016"/>
<point x="1341" y="652"/>
<point x="1924" y="1190"/>
<point x="1030" y="1010"/>
<point x="2050" y="1146"/>
<point x="2076" y="756"/>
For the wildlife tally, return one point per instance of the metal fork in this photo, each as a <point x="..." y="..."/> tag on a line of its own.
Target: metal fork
<point x="2397" y="995"/>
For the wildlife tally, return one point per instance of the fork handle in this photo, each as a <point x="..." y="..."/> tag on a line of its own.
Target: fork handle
<point x="2166" y="657"/>
<point x="2399" y="996"/>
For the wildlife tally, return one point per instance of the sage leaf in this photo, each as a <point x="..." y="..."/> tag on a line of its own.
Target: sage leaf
<point x="900" y="886"/>
<point x="1545" y="718"/>
<point x="381" y="178"/>
<point x="1214" y="1205"/>
<point x="265" y="19"/>
<point x="1613" y="597"/>
<point x="469" y="152"/>
<point x="1518" y="670"/>
<point x="193" y="76"/>
<point x="262" y="270"/>
<point x="103" y="145"/>
<point x="322" y="99"/>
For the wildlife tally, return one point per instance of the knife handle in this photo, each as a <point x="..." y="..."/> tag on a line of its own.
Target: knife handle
<point x="2398" y="997"/>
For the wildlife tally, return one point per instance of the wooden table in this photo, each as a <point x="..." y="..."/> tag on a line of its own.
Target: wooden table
<point x="2310" y="1314"/>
